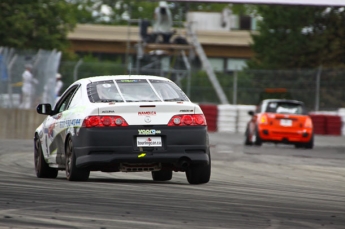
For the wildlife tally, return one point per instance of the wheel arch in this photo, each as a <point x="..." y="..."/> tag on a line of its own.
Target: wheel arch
<point x="69" y="135"/>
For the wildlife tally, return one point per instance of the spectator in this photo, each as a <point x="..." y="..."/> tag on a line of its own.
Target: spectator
<point x="28" y="88"/>
<point x="58" y="85"/>
<point x="163" y="22"/>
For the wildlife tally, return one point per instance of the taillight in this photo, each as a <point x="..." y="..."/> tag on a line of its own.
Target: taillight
<point x="308" y="123"/>
<point x="263" y="119"/>
<point x="188" y="120"/>
<point x="103" y="121"/>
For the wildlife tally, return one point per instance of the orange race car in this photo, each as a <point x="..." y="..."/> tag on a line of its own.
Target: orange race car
<point x="280" y="121"/>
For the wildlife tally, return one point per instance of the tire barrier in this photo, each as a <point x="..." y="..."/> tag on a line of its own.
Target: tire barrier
<point x="211" y="115"/>
<point x="333" y="125"/>
<point x="227" y="118"/>
<point x="328" y="123"/>
<point x="319" y="123"/>
<point x="233" y="118"/>
<point x="341" y="113"/>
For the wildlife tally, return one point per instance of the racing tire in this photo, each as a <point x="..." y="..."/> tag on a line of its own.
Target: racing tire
<point x="310" y="144"/>
<point x="42" y="169"/>
<point x="247" y="141"/>
<point x="298" y="145"/>
<point x="258" y="141"/>
<point x="72" y="172"/>
<point x="162" y="175"/>
<point x="198" y="174"/>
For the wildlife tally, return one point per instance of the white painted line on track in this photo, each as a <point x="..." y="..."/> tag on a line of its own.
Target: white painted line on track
<point x="225" y="151"/>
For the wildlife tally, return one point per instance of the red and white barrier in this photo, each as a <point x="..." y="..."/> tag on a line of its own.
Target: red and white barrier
<point x="234" y="119"/>
<point x="211" y="114"/>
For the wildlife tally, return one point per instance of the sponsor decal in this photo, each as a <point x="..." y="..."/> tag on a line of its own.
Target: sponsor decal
<point x="57" y="116"/>
<point x="141" y="155"/>
<point x="128" y="81"/>
<point x="51" y="130"/>
<point x="149" y="132"/>
<point x="186" y="110"/>
<point x="147" y="113"/>
<point x="69" y="123"/>
<point x="108" y="111"/>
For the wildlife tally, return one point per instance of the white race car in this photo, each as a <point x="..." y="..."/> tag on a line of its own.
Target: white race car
<point x="123" y="123"/>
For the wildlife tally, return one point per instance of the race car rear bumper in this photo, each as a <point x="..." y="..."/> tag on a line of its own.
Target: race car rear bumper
<point x="106" y="148"/>
<point x="286" y="136"/>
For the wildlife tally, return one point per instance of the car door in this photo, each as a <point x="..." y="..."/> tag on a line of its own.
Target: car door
<point x="54" y="126"/>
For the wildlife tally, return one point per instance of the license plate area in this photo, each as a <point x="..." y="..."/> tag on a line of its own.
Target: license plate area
<point x="285" y="122"/>
<point x="149" y="141"/>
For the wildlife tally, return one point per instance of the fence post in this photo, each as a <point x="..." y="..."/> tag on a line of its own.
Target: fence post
<point x="9" y="72"/>
<point x="75" y="70"/>
<point x="317" y="96"/>
<point x="234" y="98"/>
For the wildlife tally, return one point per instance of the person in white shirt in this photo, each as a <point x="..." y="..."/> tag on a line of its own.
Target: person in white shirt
<point x="28" y="88"/>
<point x="58" y="85"/>
<point x="163" y="21"/>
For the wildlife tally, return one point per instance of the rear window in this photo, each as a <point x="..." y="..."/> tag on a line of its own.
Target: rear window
<point x="169" y="91"/>
<point x="103" y="91"/>
<point x="285" y="108"/>
<point x="135" y="90"/>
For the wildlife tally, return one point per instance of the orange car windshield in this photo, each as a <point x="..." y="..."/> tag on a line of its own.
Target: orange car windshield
<point x="284" y="108"/>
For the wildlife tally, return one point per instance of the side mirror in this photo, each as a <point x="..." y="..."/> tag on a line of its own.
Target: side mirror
<point x="251" y="113"/>
<point x="44" y="109"/>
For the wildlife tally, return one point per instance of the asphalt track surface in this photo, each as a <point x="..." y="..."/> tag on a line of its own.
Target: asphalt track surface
<point x="273" y="186"/>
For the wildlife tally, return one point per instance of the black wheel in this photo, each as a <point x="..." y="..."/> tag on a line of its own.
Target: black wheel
<point x="257" y="141"/>
<point x="247" y="141"/>
<point x="198" y="174"/>
<point x="41" y="167"/>
<point x="162" y="175"/>
<point x="298" y="145"/>
<point x="310" y="144"/>
<point x="72" y="172"/>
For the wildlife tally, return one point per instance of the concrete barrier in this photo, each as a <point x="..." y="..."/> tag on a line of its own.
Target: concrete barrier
<point x="19" y="124"/>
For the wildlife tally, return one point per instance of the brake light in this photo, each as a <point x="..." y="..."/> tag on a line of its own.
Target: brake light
<point x="104" y="121"/>
<point x="308" y="123"/>
<point x="188" y="120"/>
<point x="263" y="119"/>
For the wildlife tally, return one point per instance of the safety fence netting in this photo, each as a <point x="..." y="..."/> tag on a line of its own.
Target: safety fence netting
<point x="27" y="77"/>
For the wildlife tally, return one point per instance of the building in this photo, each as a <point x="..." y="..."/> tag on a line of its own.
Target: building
<point x="226" y="48"/>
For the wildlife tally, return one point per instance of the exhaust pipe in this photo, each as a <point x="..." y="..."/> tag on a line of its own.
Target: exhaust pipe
<point x="184" y="164"/>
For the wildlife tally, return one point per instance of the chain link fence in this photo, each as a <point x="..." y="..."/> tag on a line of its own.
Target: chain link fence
<point x="319" y="89"/>
<point x="38" y="87"/>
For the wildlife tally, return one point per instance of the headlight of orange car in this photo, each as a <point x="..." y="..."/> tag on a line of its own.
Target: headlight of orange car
<point x="263" y="119"/>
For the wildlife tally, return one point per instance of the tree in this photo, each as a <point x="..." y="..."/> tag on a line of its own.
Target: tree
<point x="299" y="37"/>
<point x="38" y="24"/>
<point x="117" y="12"/>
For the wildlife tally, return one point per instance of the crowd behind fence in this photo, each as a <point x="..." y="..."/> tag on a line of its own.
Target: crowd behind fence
<point x="319" y="89"/>
<point x="43" y="66"/>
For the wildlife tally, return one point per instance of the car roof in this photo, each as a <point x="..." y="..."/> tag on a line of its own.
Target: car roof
<point x="119" y="77"/>
<point x="282" y="100"/>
